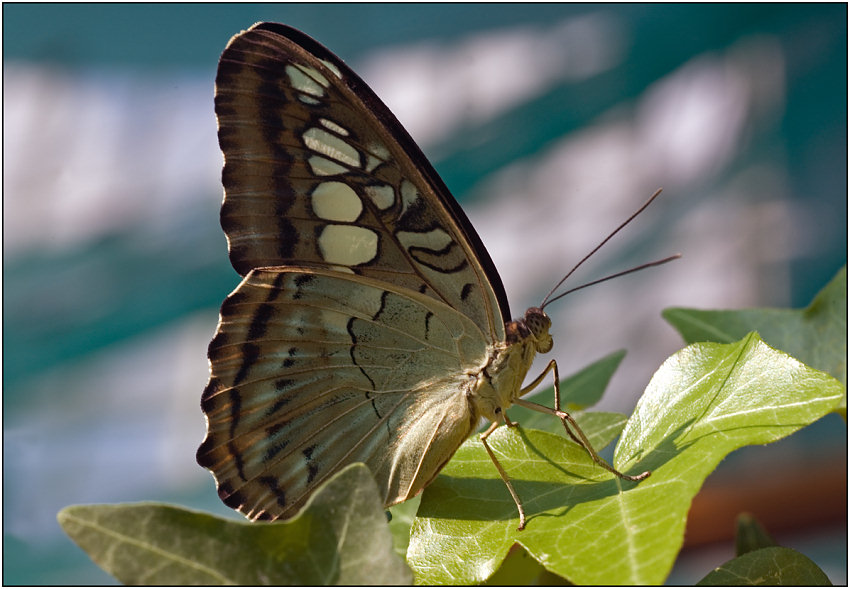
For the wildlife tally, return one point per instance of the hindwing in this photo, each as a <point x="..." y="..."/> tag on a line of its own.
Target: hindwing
<point x="315" y="369"/>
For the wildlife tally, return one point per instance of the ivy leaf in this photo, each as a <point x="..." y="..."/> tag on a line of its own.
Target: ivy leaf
<point x="401" y="518"/>
<point x="601" y="427"/>
<point x="587" y="526"/>
<point x="767" y="566"/>
<point x="817" y="335"/>
<point x="521" y="569"/>
<point x="340" y="537"/>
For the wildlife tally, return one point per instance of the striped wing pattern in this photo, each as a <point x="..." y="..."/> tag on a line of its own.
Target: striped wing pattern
<point x="315" y="369"/>
<point x="318" y="171"/>
<point x="368" y="303"/>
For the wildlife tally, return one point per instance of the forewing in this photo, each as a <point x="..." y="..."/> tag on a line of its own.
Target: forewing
<point x="319" y="172"/>
<point x="312" y="370"/>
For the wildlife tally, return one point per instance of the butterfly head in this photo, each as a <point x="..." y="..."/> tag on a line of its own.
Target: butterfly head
<point x="538" y="324"/>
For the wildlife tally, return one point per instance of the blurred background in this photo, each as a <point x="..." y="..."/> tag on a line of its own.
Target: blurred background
<point x="550" y="123"/>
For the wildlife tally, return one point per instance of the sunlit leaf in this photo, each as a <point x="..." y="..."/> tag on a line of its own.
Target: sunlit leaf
<point x="341" y="537"/>
<point x="585" y="525"/>
<point x="817" y="335"/>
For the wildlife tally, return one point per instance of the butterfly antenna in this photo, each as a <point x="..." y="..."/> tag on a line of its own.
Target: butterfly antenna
<point x="547" y="300"/>
<point x="618" y="274"/>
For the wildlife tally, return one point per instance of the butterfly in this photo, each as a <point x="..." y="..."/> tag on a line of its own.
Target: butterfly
<point x="371" y="324"/>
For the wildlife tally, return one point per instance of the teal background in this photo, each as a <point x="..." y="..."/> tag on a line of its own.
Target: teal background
<point x="120" y="295"/>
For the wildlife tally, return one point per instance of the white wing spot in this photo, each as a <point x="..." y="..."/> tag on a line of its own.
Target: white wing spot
<point x="300" y="80"/>
<point x="376" y="154"/>
<point x="321" y="166"/>
<point x="348" y="245"/>
<point x="328" y="124"/>
<point x="372" y="162"/>
<point x="313" y="73"/>
<point x="436" y="239"/>
<point x="331" y="146"/>
<point x="343" y="269"/>
<point x="308" y="99"/>
<point x="379" y="151"/>
<point x="333" y="68"/>
<point x="409" y="195"/>
<point x="382" y="195"/>
<point x="336" y="201"/>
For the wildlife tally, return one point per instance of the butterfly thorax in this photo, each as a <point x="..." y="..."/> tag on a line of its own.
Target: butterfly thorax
<point x="500" y="382"/>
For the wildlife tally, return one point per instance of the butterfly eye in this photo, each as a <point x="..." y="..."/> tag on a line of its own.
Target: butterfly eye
<point x="537" y="320"/>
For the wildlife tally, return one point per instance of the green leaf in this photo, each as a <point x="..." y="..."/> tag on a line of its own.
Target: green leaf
<point x="817" y="335"/>
<point x="402" y="515"/>
<point x="340" y="537"/>
<point x="767" y="566"/>
<point x="600" y="427"/>
<point x="520" y="568"/>
<point x="751" y="535"/>
<point x="584" y="524"/>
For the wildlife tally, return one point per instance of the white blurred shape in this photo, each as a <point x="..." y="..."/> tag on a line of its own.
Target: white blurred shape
<point x="135" y="440"/>
<point x="433" y="88"/>
<point x="91" y="152"/>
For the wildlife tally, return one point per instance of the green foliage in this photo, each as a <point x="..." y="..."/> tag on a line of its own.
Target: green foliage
<point x="767" y="566"/>
<point x="342" y="527"/>
<point x="585" y="526"/>
<point x="520" y="568"/>
<point x="401" y="518"/>
<point x="816" y="335"/>
<point x="760" y="561"/>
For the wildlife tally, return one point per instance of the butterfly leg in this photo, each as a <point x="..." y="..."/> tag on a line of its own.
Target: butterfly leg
<point x="508" y="422"/>
<point x="552" y="366"/>
<point x="502" y="472"/>
<point x="577" y="435"/>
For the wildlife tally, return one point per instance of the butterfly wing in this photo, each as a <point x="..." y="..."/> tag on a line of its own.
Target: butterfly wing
<point x="315" y="369"/>
<point x="368" y="303"/>
<point x="319" y="172"/>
